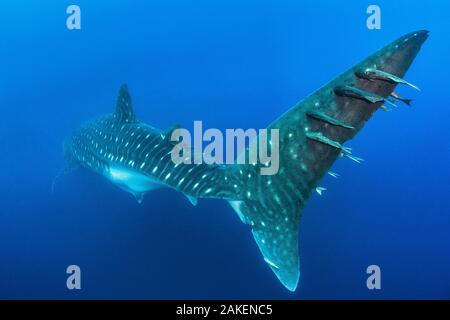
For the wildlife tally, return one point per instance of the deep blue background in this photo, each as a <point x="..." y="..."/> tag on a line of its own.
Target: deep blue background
<point x="231" y="64"/>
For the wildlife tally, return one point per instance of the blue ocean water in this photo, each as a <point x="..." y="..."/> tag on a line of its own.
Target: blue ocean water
<point x="231" y="64"/>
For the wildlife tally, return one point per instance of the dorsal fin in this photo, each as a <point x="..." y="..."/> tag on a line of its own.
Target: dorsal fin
<point x="124" y="106"/>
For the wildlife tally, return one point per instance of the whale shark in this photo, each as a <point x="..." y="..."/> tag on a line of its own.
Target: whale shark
<point x="137" y="157"/>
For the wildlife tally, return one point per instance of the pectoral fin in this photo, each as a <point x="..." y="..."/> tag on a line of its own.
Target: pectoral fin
<point x="192" y="200"/>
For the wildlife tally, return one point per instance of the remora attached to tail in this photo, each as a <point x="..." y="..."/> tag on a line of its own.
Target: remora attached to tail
<point x="312" y="135"/>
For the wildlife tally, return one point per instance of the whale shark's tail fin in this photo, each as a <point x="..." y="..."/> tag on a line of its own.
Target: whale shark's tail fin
<point x="312" y="136"/>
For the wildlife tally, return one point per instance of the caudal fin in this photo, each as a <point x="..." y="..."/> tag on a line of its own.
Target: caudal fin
<point x="312" y="136"/>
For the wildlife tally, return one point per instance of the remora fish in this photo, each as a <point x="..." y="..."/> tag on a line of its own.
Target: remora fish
<point x="137" y="157"/>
